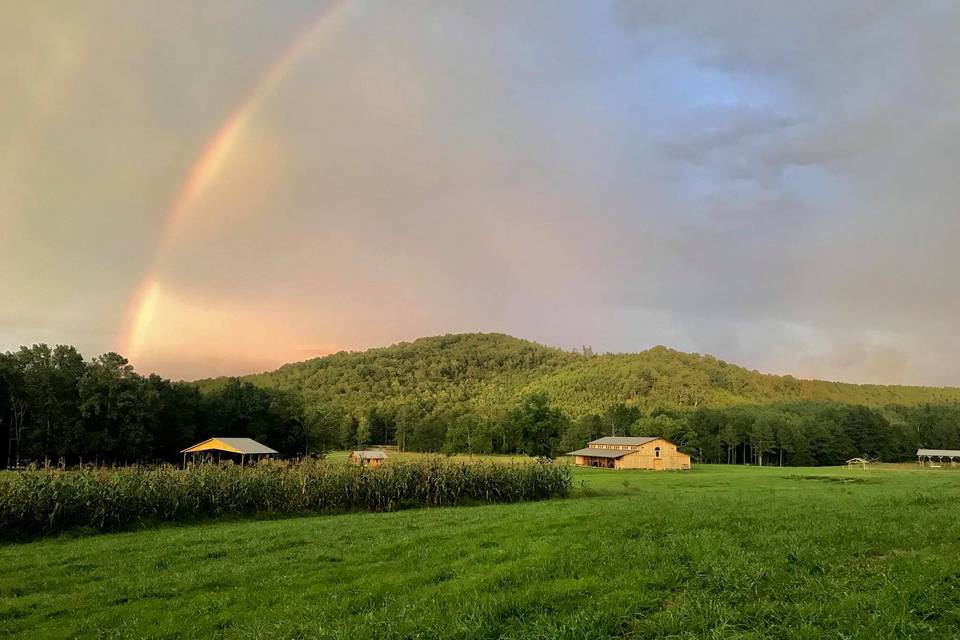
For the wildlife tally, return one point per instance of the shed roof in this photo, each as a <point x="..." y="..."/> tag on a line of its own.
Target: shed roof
<point x="245" y="446"/>
<point x="371" y="454"/>
<point x="945" y="453"/>
<point x="615" y="440"/>
<point x="600" y="452"/>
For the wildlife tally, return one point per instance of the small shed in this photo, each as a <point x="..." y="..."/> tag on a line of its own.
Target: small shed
<point x="857" y="462"/>
<point x="368" y="457"/>
<point x="929" y="455"/>
<point x="244" y="447"/>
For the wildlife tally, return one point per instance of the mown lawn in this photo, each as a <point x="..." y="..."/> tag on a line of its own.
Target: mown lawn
<point x="719" y="552"/>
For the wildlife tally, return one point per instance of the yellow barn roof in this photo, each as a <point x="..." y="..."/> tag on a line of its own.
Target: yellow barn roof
<point x="245" y="446"/>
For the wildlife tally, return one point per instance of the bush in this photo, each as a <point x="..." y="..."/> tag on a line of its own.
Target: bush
<point x="43" y="501"/>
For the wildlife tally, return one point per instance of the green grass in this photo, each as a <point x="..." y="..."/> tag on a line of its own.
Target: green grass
<point x="413" y="456"/>
<point x="719" y="552"/>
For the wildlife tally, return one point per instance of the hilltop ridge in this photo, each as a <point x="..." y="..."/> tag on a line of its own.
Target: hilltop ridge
<point x="490" y="371"/>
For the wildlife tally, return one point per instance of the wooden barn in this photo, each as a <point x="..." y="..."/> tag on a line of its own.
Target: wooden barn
<point x="368" y="458"/>
<point x="648" y="452"/>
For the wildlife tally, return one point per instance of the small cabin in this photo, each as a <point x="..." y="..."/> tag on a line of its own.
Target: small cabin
<point x="646" y="452"/>
<point x="368" y="458"/>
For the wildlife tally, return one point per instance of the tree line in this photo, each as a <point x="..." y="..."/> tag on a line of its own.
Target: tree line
<point x="796" y="434"/>
<point x="56" y="407"/>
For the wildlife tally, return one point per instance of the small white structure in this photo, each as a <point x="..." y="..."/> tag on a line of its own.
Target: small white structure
<point x="929" y="455"/>
<point x="857" y="462"/>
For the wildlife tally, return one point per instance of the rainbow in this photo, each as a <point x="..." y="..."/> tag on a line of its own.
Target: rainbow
<point x="142" y="304"/>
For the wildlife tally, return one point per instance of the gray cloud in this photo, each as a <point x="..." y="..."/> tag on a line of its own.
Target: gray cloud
<point x="770" y="183"/>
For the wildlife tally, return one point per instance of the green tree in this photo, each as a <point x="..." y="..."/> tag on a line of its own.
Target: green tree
<point x="581" y="431"/>
<point x="537" y="424"/>
<point x="180" y="418"/>
<point x="464" y="435"/>
<point x="119" y="411"/>
<point x="619" y="417"/>
<point x="363" y="433"/>
<point x="762" y="438"/>
<point x="429" y="434"/>
<point x="349" y="426"/>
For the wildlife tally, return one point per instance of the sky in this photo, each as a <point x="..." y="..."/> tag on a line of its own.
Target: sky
<point x="218" y="188"/>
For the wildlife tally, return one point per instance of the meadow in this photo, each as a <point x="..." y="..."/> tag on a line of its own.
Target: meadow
<point x="718" y="552"/>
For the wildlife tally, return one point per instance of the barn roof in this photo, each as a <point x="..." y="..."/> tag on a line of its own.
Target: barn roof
<point x="614" y="440"/>
<point x="939" y="452"/>
<point x="371" y="454"/>
<point x="599" y="452"/>
<point x="245" y="446"/>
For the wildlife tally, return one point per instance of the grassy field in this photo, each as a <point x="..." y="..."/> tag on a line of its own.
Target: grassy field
<point x="719" y="552"/>
<point x="393" y="455"/>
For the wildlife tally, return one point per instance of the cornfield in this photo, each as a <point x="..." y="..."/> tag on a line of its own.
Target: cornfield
<point x="43" y="501"/>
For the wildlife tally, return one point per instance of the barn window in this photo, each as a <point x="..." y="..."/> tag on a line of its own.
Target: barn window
<point x="656" y="452"/>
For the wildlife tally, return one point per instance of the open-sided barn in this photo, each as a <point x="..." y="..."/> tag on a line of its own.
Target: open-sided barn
<point x="246" y="448"/>
<point x="936" y="457"/>
<point x="647" y="452"/>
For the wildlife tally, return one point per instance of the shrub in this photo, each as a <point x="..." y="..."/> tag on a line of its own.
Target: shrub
<point x="43" y="501"/>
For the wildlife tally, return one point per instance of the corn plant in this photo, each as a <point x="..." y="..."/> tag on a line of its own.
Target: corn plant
<point x="44" y="501"/>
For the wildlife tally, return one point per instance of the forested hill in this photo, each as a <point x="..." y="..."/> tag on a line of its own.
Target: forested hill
<point x="475" y="393"/>
<point x="489" y="372"/>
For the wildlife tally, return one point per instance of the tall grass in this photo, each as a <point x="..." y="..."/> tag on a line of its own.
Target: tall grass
<point x="43" y="501"/>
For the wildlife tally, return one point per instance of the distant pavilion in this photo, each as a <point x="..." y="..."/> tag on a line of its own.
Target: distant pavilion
<point x="857" y="462"/>
<point x="929" y="455"/>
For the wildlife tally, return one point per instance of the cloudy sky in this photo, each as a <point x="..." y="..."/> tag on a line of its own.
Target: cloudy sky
<point x="221" y="187"/>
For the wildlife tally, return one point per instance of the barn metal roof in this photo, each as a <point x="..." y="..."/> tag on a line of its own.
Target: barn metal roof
<point x="614" y="440"/>
<point x="599" y="452"/>
<point x="946" y="453"/>
<point x="246" y="446"/>
<point x="371" y="454"/>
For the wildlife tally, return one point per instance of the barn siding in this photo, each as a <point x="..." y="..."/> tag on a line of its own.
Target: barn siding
<point x="645" y="457"/>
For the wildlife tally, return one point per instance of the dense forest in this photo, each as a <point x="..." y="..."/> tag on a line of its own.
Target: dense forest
<point x="479" y="393"/>
<point x="488" y="372"/>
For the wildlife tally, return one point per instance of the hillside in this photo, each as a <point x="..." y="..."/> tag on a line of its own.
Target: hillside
<point x="489" y="372"/>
